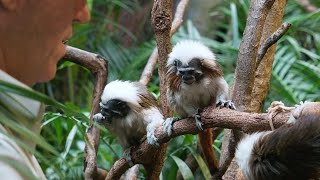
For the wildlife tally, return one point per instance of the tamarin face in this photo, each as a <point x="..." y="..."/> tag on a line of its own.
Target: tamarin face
<point x="190" y="62"/>
<point x="114" y="108"/>
<point x="189" y="72"/>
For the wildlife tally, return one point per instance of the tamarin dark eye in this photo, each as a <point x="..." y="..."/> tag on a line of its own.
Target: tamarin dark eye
<point x="175" y="62"/>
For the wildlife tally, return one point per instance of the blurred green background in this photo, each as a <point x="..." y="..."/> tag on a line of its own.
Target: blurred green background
<point x="121" y="32"/>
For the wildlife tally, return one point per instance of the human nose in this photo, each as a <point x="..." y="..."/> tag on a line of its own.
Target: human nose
<point x="82" y="15"/>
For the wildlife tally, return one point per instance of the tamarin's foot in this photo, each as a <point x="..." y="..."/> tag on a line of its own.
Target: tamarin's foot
<point x="168" y="124"/>
<point x="197" y="117"/>
<point x="127" y="155"/>
<point x="228" y="104"/>
<point x="151" y="138"/>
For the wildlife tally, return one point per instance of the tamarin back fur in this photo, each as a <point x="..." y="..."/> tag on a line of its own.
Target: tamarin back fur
<point x="290" y="152"/>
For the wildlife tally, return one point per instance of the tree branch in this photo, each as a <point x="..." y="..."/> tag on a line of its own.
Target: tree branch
<point x="271" y="40"/>
<point x="99" y="68"/>
<point x="177" y="21"/>
<point x="307" y="5"/>
<point x="132" y="173"/>
<point x="264" y="70"/>
<point x="211" y="117"/>
<point x="161" y="20"/>
<point x="245" y="71"/>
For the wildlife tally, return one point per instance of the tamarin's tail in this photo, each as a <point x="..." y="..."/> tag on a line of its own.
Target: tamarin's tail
<point x="290" y="152"/>
<point x="205" y="139"/>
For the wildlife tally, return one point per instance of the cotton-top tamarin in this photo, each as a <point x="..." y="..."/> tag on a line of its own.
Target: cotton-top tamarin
<point x="195" y="81"/>
<point x="130" y="112"/>
<point x="291" y="152"/>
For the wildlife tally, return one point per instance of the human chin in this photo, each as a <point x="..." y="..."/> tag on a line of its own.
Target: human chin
<point x="47" y="74"/>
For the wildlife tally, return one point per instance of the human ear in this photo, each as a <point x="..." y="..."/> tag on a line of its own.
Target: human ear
<point x="9" y="4"/>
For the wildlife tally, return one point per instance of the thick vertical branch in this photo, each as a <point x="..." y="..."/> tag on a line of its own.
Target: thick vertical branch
<point x="99" y="68"/>
<point x="245" y="71"/>
<point x="161" y="19"/>
<point x="264" y="70"/>
<point x="177" y="21"/>
<point x="263" y="74"/>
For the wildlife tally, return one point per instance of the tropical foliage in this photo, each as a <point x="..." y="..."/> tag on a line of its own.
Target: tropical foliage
<point x="295" y="77"/>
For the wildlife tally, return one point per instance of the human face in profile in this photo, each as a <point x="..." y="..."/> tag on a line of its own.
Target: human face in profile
<point x="33" y="35"/>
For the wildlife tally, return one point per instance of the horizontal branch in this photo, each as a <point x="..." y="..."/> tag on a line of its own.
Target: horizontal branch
<point x="211" y="117"/>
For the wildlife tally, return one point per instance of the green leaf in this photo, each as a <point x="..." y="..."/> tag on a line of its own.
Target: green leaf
<point x="28" y="134"/>
<point x="69" y="141"/>
<point x="9" y="87"/>
<point x="183" y="167"/>
<point x="50" y="120"/>
<point x="202" y="165"/>
<point x="235" y="26"/>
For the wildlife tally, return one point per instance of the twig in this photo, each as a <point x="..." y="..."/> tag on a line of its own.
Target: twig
<point x="132" y="173"/>
<point x="99" y="68"/>
<point x="148" y="69"/>
<point x="272" y="40"/>
<point x="178" y="19"/>
<point x="307" y="5"/>
<point x="212" y="117"/>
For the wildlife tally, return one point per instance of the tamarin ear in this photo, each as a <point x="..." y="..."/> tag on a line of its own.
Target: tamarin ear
<point x="10" y="5"/>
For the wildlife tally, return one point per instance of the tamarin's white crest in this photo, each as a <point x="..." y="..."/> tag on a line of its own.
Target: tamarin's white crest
<point x="195" y="81"/>
<point x="130" y="112"/>
<point x="290" y="152"/>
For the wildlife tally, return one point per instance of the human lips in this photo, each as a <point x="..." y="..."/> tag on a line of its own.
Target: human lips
<point x="66" y="39"/>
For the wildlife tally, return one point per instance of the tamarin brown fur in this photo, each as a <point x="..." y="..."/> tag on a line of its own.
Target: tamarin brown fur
<point x="291" y="152"/>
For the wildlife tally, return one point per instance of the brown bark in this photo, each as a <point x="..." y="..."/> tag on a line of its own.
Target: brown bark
<point x="264" y="61"/>
<point x="245" y="71"/>
<point x="264" y="70"/>
<point x="271" y="40"/>
<point x="212" y="117"/>
<point x="177" y="21"/>
<point x="99" y="68"/>
<point x="161" y="18"/>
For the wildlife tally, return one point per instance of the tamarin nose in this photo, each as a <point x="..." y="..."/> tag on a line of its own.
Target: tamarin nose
<point x="186" y="71"/>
